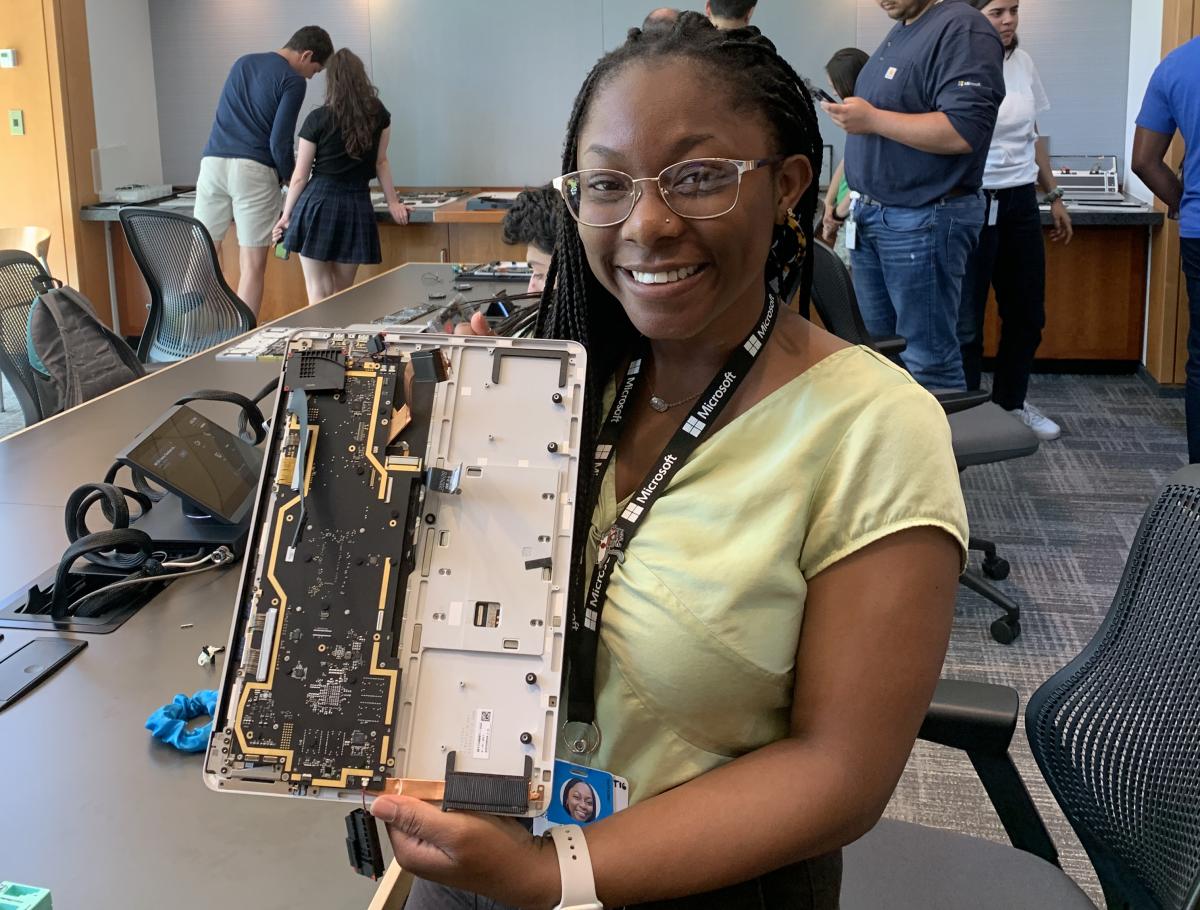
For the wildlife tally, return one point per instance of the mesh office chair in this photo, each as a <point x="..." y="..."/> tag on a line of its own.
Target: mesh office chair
<point x="17" y="271"/>
<point x="982" y="432"/>
<point x="1116" y="732"/>
<point x="191" y="307"/>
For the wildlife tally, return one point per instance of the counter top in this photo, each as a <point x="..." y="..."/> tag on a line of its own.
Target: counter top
<point x="1132" y="213"/>
<point x="450" y="213"/>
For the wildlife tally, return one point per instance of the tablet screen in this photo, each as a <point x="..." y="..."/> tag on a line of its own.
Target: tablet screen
<point x="200" y="461"/>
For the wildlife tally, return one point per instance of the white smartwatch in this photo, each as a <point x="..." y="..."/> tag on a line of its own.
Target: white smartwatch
<point x="575" y="869"/>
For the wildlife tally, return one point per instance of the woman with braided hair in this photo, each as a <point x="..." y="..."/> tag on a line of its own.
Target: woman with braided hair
<point x="768" y="549"/>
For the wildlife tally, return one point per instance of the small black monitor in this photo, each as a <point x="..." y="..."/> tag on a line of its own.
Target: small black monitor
<point x="203" y="463"/>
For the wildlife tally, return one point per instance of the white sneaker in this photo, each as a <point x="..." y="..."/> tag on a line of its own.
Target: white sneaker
<point x="1043" y="427"/>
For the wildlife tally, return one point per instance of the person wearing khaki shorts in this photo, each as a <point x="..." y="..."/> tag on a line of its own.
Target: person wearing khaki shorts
<point x="245" y="193"/>
<point x="250" y="150"/>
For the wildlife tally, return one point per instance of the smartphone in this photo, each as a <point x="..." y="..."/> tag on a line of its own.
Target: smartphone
<point x="820" y="94"/>
<point x="281" y="251"/>
<point x="29" y="665"/>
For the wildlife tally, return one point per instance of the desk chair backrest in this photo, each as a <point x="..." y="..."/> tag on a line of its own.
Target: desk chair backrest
<point x="1117" y="731"/>
<point x="191" y="306"/>
<point x="18" y="269"/>
<point x="833" y="297"/>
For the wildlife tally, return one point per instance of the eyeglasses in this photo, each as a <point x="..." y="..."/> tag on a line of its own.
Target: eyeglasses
<point x="700" y="188"/>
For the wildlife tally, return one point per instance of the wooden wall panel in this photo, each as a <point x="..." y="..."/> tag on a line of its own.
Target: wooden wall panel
<point x="1095" y="291"/>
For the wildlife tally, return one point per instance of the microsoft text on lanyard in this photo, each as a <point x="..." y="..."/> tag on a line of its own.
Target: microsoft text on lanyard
<point x="580" y="732"/>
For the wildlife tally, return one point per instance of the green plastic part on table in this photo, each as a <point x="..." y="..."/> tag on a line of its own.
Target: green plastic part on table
<point x="23" y="897"/>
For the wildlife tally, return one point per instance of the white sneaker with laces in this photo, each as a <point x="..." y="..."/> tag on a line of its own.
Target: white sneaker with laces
<point x="1043" y="427"/>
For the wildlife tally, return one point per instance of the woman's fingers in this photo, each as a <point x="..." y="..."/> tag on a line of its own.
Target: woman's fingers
<point x="418" y="833"/>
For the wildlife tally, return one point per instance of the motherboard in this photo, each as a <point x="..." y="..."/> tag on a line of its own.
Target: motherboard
<point x="399" y="626"/>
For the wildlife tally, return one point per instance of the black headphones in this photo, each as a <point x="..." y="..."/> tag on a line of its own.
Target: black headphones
<point x="129" y="553"/>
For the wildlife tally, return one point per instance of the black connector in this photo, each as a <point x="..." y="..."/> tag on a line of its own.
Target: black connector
<point x="362" y="843"/>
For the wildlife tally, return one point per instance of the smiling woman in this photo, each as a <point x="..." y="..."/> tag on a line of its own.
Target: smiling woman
<point x="760" y="610"/>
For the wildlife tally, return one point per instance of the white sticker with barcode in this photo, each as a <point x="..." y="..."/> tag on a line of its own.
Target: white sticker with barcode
<point x="482" y="742"/>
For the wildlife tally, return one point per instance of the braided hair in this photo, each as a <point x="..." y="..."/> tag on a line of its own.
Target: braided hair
<point x="534" y="218"/>
<point x="580" y="308"/>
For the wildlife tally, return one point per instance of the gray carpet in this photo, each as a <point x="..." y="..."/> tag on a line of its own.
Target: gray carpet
<point x="1065" y="518"/>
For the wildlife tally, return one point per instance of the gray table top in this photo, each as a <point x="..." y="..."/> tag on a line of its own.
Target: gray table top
<point x="93" y="808"/>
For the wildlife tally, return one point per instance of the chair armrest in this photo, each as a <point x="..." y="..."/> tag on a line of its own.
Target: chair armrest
<point x="889" y="345"/>
<point x="972" y="716"/>
<point x="955" y="400"/>
<point x="979" y="719"/>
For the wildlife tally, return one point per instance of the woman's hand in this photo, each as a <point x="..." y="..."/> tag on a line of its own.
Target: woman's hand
<point x="280" y="227"/>
<point x="481" y="854"/>
<point x="830" y="227"/>
<point x="399" y="212"/>
<point x="1063" y="229"/>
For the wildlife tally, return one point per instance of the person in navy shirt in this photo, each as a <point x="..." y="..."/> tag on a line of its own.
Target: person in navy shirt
<point x="1172" y="103"/>
<point x="920" y="123"/>
<point x="249" y="151"/>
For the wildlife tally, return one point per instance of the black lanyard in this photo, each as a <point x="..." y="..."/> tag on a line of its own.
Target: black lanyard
<point x="581" y="733"/>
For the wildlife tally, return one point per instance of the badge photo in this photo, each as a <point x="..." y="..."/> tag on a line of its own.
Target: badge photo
<point x="582" y="795"/>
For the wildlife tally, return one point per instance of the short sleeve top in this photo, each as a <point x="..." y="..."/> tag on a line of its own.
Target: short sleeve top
<point x="1012" y="158"/>
<point x="699" y="635"/>
<point x="332" y="160"/>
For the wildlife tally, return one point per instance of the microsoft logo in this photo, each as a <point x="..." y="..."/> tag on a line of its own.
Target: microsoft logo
<point x="632" y="512"/>
<point x="753" y="346"/>
<point x="694" y="426"/>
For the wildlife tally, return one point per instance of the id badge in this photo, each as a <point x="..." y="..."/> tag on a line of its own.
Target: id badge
<point x="852" y="233"/>
<point x="993" y="212"/>
<point x="581" y="796"/>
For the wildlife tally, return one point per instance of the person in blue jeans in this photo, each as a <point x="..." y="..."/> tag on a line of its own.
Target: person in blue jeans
<point x="1172" y="103"/>
<point x="919" y="124"/>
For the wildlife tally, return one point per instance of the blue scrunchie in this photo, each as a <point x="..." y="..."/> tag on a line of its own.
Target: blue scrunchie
<point x="169" y="723"/>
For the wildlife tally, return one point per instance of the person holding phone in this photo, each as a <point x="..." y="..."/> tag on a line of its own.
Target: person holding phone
<point x="1011" y="253"/>
<point x="920" y="123"/>
<point x="328" y="217"/>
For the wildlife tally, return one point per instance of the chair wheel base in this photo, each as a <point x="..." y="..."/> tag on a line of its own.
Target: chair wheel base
<point x="1006" y="630"/>
<point x="996" y="568"/>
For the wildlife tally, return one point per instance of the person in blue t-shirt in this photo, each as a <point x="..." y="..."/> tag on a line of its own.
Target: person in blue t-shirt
<point x="249" y="151"/>
<point x="1172" y="103"/>
<point x="919" y="124"/>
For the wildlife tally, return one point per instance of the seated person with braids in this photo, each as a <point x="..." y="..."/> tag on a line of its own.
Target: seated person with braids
<point x="754" y="646"/>
<point x="533" y="221"/>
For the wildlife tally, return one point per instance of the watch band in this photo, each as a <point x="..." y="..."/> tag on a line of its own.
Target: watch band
<point x="1053" y="196"/>
<point x="575" y="869"/>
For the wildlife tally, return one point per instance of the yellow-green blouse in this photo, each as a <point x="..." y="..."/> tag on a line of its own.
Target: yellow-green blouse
<point x="699" y="634"/>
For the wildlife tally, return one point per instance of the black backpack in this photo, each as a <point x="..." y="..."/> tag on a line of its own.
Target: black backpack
<point x="75" y="357"/>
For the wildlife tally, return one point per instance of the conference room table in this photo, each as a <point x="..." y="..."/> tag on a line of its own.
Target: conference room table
<point x="91" y="806"/>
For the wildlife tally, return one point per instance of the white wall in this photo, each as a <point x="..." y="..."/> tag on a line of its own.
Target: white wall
<point x="479" y="90"/>
<point x="1081" y="48"/>
<point x="123" y="92"/>
<point x="1145" y="51"/>
<point x="196" y="41"/>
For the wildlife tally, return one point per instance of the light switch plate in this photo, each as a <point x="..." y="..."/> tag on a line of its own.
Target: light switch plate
<point x="16" y="123"/>
<point x="8" y="58"/>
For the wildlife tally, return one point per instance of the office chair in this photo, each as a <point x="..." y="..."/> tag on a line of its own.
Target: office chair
<point x="17" y="271"/>
<point x="982" y="432"/>
<point x="191" y="307"/>
<point x="1116" y="734"/>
